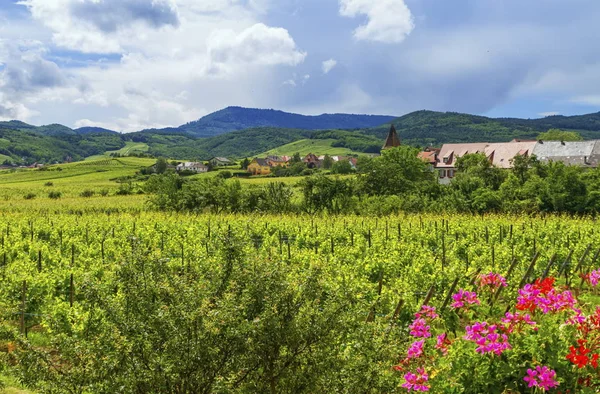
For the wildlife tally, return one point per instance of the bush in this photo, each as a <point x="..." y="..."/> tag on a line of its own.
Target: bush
<point x="104" y="192"/>
<point x="49" y="184"/>
<point x="225" y="174"/>
<point x="54" y="195"/>
<point x="87" y="193"/>
<point x="125" y="189"/>
<point x="29" y="196"/>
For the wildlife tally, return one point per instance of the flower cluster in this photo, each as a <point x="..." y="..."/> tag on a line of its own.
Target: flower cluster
<point x="491" y="281"/>
<point x="442" y="343"/>
<point x="487" y="338"/>
<point x="463" y="298"/>
<point x="517" y="322"/>
<point x="543" y="296"/>
<point x="593" y="278"/>
<point x="419" y="328"/>
<point x="579" y="355"/>
<point x="415" y="350"/>
<point x="416" y="381"/>
<point x="427" y="312"/>
<point x="542" y="377"/>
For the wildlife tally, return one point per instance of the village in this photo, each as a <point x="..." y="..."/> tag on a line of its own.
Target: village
<point x="441" y="160"/>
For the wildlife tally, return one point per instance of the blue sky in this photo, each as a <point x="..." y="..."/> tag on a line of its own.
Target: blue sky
<point x="134" y="64"/>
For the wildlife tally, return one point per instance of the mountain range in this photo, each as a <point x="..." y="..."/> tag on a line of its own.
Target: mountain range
<point x="243" y="132"/>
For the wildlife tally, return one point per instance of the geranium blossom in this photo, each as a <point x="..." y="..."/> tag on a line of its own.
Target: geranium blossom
<point x="579" y="355"/>
<point x="487" y="338"/>
<point x="416" y="381"/>
<point x="492" y="281"/>
<point x="427" y="312"/>
<point x="517" y="321"/>
<point x="419" y="328"/>
<point x="463" y="298"/>
<point x="442" y="343"/>
<point x="543" y="296"/>
<point x="415" y="350"/>
<point x="542" y="377"/>
<point x="593" y="278"/>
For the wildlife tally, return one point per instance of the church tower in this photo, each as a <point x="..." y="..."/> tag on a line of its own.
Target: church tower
<point x="392" y="139"/>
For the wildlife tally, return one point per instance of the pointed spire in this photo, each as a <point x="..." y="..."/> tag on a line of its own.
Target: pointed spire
<point x="392" y="139"/>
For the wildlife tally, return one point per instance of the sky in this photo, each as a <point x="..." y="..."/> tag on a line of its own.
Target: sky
<point x="128" y="65"/>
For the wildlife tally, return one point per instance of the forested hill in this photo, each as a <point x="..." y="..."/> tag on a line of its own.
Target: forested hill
<point x="23" y="143"/>
<point x="423" y="128"/>
<point x="238" y="118"/>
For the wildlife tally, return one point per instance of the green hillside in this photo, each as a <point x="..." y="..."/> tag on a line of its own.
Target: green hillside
<point x="306" y="146"/>
<point x="424" y="128"/>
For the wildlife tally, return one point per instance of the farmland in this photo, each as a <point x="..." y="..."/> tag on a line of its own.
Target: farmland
<point x="157" y="302"/>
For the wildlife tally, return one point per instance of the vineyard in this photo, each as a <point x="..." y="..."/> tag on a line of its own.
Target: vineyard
<point x="176" y="303"/>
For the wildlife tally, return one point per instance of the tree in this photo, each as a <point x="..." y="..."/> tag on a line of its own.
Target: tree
<point x="296" y="158"/>
<point x="342" y="167"/>
<point x="327" y="162"/>
<point x="245" y="164"/>
<point x="396" y="171"/>
<point x="560" y="135"/>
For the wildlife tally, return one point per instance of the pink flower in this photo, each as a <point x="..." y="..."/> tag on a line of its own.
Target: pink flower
<point x="492" y="281"/>
<point x="542" y="377"/>
<point x="427" y="312"/>
<point x="463" y="298"/>
<point x="547" y="299"/>
<point x="416" y="382"/>
<point x="487" y="339"/>
<point x="442" y="343"/>
<point x="419" y="328"/>
<point x="415" y="350"/>
<point x="517" y="322"/>
<point x="594" y="277"/>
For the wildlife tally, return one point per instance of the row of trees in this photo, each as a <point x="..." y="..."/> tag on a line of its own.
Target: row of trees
<point x="397" y="181"/>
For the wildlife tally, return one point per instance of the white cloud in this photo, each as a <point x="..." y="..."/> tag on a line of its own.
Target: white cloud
<point x="101" y="26"/>
<point x="257" y="45"/>
<point x="389" y="21"/>
<point x="328" y="65"/>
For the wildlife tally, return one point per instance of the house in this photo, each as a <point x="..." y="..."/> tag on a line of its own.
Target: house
<point x="259" y="167"/>
<point x="500" y="154"/>
<point x="276" y="161"/>
<point x="220" y="162"/>
<point x="392" y="140"/>
<point x="449" y="154"/>
<point x="312" y="161"/>
<point x="579" y="153"/>
<point x="430" y="156"/>
<point x="192" y="166"/>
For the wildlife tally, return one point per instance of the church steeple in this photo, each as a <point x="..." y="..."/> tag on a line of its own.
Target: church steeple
<point x="392" y="139"/>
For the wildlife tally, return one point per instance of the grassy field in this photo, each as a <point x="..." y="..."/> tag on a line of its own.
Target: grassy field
<point x="69" y="180"/>
<point x="304" y="147"/>
<point x="131" y="147"/>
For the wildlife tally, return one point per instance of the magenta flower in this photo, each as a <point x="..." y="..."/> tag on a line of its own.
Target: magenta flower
<point x="415" y="350"/>
<point x="419" y="328"/>
<point x="594" y="277"/>
<point x="517" y="322"/>
<point x="463" y="298"/>
<point x="442" y="343"/>
<point x="416" y="382"/>
<point x="542" y="377"/>
<point x="492" y="281"/>
<point x="531" y="298"/>
<point x="427" y="312"/>
<point x="487" y="339"/>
